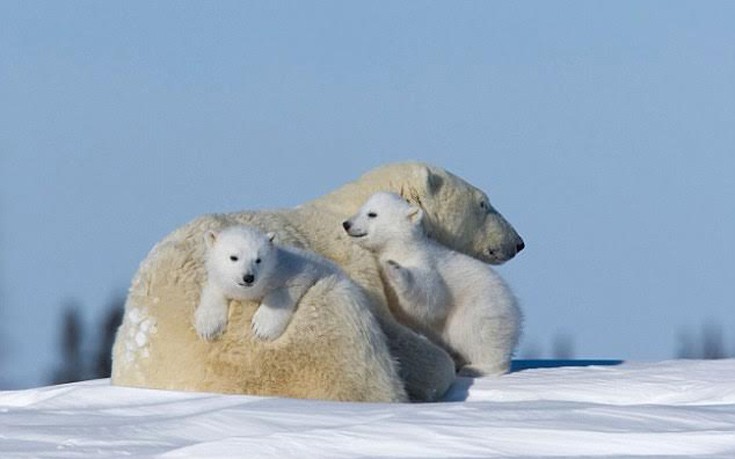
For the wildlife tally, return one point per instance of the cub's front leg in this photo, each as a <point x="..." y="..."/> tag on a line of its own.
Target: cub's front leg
<point x="421" y="293"/>
<point x="400" y="279"/>
<point x="274" y="314"/>
<point x="210" y="317"/>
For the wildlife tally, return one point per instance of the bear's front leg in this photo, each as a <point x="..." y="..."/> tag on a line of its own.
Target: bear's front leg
<point x="273" y="314"/>
<point x="210" y="317"/>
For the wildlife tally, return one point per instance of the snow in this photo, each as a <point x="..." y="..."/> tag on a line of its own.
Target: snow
<point x="665" y="409"/>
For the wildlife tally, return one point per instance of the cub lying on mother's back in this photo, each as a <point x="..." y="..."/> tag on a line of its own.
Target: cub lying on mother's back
<point x="243" y="263"/>
<point x="453" y="295"/>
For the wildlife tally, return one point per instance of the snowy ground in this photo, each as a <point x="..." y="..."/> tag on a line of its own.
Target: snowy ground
<point x="678" y="408"/>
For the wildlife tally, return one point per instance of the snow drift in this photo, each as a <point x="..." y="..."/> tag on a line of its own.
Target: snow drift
<point x="677" y="408"/>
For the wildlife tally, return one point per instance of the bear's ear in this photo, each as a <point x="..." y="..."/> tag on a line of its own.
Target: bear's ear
<point x="271" y="236"/>
<point x="432" y="181"/>
<point x="415" y="214"/>
<point x="210" y="237"/>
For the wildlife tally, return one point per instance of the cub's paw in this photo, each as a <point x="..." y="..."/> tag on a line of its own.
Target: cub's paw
<point x="269" y="323"/>
<point x="210" y="322"/>
<point x="392" y="264"/>
<point x="392" y="268"/>
<point x="396" y="273"/>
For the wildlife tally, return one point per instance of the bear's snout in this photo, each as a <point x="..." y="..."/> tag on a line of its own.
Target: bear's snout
<point x="346" y="225"/>
<point x="248" y="278"/>
<point x="520" y="246"/>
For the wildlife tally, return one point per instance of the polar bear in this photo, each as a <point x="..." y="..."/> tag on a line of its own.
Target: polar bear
<point x="326" y="352"/>
<point x="243" y="263"/>
<point x="459" y="298"/>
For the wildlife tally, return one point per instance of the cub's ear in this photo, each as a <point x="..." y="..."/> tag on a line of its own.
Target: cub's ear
<point x="415" y="214"/>
<point x="210" y="237"/>
<point x="271" y="236"/>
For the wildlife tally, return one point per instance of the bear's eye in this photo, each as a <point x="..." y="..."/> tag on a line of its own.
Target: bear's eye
<point x="233" y="258"/>
<point x="372" y="215"/>
<point x="257" y="260"/>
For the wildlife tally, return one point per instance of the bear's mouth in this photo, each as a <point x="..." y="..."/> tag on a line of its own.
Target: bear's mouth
<point x="494" y="257"/>
<point x="356" y="236"/>
<point x="243" y="284"/>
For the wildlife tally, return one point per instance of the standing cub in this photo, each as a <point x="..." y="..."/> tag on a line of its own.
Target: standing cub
<point x="243" y="263"/>
<point x="453" y="295"/>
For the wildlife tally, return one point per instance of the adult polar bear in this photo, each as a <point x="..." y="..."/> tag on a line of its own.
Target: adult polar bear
<point x="329" y="351"/>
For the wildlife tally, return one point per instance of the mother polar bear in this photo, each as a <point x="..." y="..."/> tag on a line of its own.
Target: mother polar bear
<point x="332" y="349"/>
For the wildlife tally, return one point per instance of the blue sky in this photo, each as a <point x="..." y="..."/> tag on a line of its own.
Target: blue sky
<point x="604" y="131"/>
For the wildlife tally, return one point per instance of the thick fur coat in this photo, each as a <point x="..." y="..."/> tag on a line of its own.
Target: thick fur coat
<point x="329" y="350"/>
<point x="467" y="307"/>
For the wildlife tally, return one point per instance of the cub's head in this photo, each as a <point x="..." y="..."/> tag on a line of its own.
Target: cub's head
<point x="239" y="258"/>
<point x="385" y="218"/>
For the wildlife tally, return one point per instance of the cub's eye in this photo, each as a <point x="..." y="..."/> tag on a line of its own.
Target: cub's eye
<point x="483" y="205"/>
<point x="257" y="260"/>
<point x="233" y="258"/>
<point x="372" y="215"/>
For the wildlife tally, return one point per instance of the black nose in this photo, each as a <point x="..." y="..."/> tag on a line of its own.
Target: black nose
<point x="248" y="278"/>
<point x="346" y="225"/>
<point x="521" y="245"/>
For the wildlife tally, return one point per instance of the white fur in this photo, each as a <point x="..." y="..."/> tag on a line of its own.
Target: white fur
<point x="324" y="353"/>
<point x="460" y="298"/>
<point x="243" y="263"/>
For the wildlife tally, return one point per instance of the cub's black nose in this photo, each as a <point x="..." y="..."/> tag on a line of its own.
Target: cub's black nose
<point x="248" y="278"/>
<point x="521" y="245"/>
<point x="346" y="225"/>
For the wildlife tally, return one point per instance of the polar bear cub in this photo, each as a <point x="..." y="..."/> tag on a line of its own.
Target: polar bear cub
<point x="243" y="263"/>
<point x="459" y="298"/>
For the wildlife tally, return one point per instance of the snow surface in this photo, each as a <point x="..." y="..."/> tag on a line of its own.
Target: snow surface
<point x="667" y="409"/>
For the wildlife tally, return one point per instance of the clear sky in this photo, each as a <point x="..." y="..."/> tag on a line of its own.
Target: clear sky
<point x="604" y="131"/>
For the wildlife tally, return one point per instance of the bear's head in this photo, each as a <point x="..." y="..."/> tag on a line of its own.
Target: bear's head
<point x="239" y="260"/>
<point x="455" y="213"/>
<point x="385" y="219"/>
